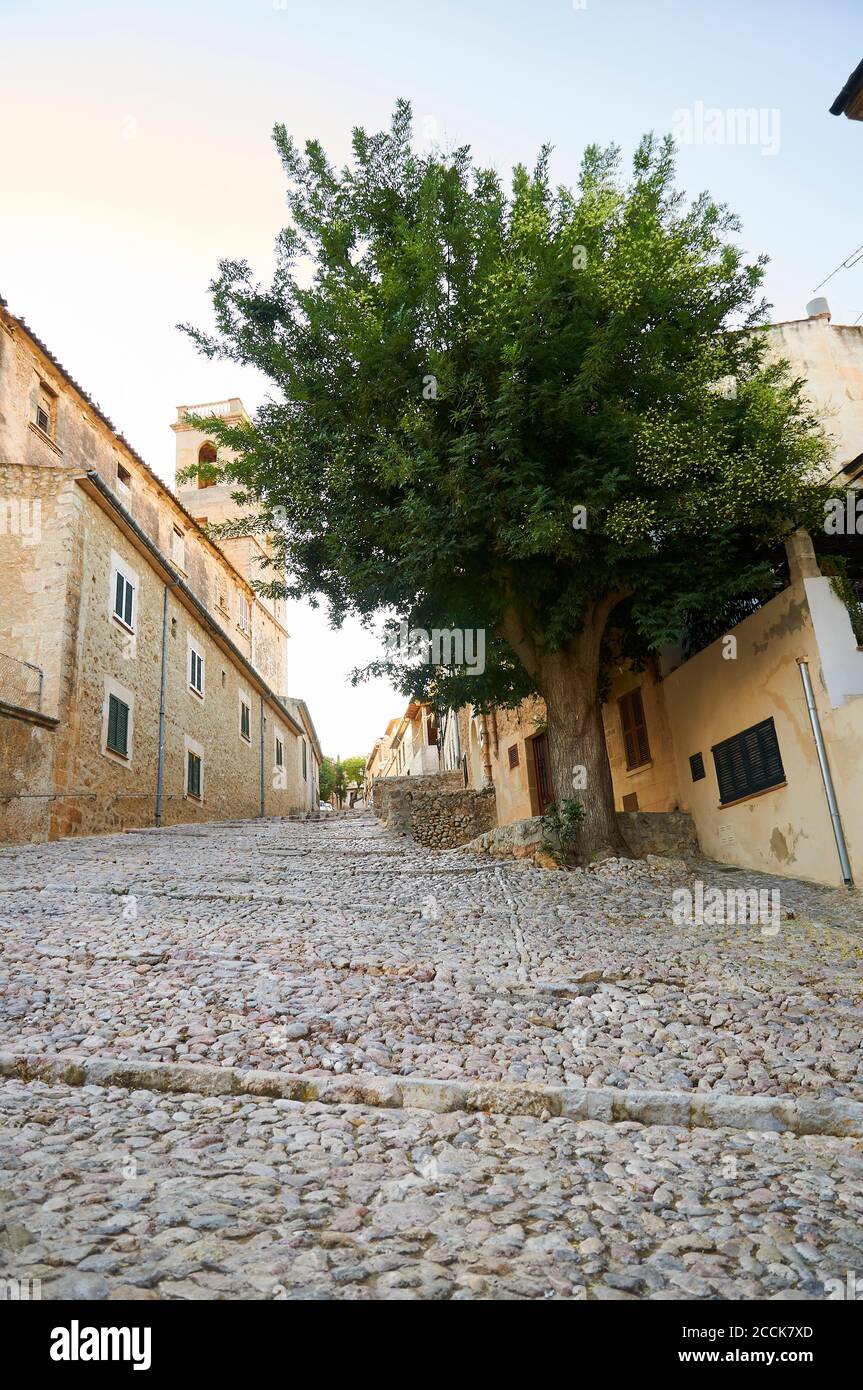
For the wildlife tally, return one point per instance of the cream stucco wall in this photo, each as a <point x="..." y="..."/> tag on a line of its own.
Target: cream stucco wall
<point x="655" y="782"/>
<point x="830" y="357"/>
<point x="786" y="830"/>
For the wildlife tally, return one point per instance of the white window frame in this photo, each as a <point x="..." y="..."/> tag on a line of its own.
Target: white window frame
<point x="244" y="617"/>
<point x="245" y="699"/>
<point x="46" y="402"/>
<point x="191" y="745"/>
<point x="130" y="578"/>
<point x="178" y="547"/>
<point x="195" y="647"/>
<point x="124" y="487"/>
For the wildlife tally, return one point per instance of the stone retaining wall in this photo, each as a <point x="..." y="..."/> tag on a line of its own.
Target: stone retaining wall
<point x="659" y="832"/>
<point x="645" y="832"/>
<point x="437" y="811"/>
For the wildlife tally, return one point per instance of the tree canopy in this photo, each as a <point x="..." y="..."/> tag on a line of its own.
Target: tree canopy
<point x="514" y="410"/>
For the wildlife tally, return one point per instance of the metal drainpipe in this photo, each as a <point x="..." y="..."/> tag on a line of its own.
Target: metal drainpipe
<point x="160" y="764"/>
<point x="826" y="776"/>
<point x="262" y="754"/>
<point x="487" y="779"/>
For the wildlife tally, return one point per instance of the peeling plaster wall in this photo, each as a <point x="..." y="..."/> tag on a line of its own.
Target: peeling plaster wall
<point x="786" y="830"/>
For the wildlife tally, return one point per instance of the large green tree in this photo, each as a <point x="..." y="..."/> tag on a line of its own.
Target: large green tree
<point x="355" y="769"/>
<point x="460" y="369"/>
<point x="327" y="778"/>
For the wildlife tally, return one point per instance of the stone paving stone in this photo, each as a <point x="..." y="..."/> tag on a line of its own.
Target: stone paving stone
<point x="111" y="1194"/>
<point x="328" y="948"/>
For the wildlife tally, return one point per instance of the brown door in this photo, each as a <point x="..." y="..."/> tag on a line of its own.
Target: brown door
<point x="542" y="771"/>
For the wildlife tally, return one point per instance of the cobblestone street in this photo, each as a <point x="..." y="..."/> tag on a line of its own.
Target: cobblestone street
<point x="330" y="951"/>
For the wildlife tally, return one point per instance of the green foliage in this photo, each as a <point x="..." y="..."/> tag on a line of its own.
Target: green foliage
<point x="561" y="827"/>
<point x="836" y="567"/>
<point x="327" y="780"/>
<point x="355" y="769"/>
<point x="455" y="367"/>
<point x="340" y="781"/>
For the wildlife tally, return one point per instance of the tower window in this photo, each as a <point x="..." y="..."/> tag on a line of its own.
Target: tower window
<point x="207" y="465"/>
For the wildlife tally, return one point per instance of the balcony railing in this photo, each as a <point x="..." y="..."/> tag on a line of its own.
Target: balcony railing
<point x="20" y="683"/>
<point x="232" y="406"/>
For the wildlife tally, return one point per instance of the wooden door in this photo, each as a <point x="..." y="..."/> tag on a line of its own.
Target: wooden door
<point x="542" y="772"/>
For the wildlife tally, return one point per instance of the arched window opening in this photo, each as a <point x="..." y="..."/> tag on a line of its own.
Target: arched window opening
<point x="207" y="465"/>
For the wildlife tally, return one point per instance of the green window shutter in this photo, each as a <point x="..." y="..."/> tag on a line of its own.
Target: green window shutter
<point x="118" y="596"/>
<point x="749" y="762"/>
<point x="118" y="726"/>
<point x="130" y="592"/>
<point x="194" y="775"/>
<point x="123" y="726"/>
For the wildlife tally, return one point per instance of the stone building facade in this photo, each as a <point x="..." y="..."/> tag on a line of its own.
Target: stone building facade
<point x="141" y="680"/>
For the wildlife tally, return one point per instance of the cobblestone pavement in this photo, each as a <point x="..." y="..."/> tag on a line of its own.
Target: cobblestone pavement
<point x="121" y="1194"/>
<point x="330" y="947"/>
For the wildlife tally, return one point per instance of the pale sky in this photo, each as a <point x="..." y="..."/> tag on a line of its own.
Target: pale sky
<point x="135" y="151"/>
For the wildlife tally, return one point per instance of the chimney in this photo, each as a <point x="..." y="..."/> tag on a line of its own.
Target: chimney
<point x="818" y="309"/>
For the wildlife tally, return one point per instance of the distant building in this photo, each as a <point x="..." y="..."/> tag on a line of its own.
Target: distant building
<point x="308" y="754"/>
<point x="409" y="748"/>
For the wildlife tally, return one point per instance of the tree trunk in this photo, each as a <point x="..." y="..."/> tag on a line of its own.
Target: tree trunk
<point x="568" y="681"/>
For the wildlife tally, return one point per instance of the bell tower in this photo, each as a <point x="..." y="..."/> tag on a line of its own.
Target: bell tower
<point x="205" y="498"/>
<point x="209" y="501"/>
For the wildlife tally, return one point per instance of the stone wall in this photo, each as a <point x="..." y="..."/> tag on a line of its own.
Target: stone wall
<point x="669" y="833"/>
<point x="26" y="763"/>
<point x="63" y="780"/>
<point x="81" y="439"/>
<point x="449" y="819"/>
<point x="438" y="811"/>
<point x="658" y="832"/>
<point x="387" y="791"/>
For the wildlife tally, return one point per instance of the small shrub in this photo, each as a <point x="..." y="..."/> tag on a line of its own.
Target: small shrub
<point x="561" y="826"/>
